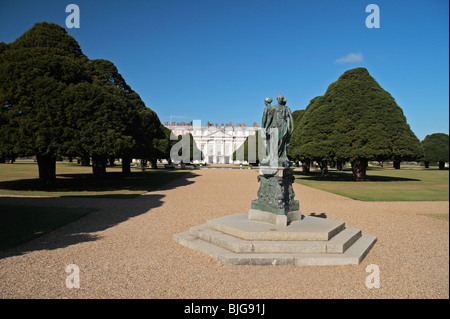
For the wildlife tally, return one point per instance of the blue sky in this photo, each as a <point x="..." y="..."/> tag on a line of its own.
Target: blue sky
<point x="216" y="61"/>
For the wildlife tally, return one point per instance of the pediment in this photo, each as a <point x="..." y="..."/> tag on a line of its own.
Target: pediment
<point x="219" y="134"/>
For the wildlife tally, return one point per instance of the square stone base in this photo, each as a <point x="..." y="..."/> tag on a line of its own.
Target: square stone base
<point x="276" y="219"/>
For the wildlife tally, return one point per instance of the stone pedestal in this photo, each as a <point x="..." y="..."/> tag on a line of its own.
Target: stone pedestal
<point x="275" y="203"/>
<point x="237" y="240"/>
<point x="274" y="232"/>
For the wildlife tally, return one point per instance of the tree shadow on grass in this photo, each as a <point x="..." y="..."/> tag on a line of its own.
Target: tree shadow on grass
<point x="106" y="213"/>
<point x="114" y="185"/>
<point x="346" y="176"/>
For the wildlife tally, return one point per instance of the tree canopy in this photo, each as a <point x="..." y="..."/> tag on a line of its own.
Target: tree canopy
<point x="252" y="150"/>
<point x="356" y="120"/>
<point x="55" y="101"/>
<point x="436" y="149"/>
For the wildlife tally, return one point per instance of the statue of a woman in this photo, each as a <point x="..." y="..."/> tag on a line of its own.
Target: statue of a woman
<point x="278" y="117"/>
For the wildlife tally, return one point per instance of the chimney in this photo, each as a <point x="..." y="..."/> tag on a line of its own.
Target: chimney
<point x="166" y="123"/>
<point x="173" y="123"/>
<point x="255" y="124"/>
<point x="231" y="123"/>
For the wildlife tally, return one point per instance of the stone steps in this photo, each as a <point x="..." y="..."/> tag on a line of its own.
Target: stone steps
<point x="346" y="245"/>
<point x="338" y="244"/>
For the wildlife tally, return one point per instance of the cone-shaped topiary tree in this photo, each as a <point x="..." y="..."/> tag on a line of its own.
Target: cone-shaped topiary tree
<point x="436" y="149"/>
<point x="55" y="101"/>
<point x="354" y="121"/>
<point x="35" y="71"/>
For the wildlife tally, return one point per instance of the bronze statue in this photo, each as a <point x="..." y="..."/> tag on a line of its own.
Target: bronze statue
<point x="277" y="119"/>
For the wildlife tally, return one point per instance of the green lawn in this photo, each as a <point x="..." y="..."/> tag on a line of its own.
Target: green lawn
<point x="21" y="178"/>
<point x="19" y="224"/>
<point x="384" y="184"/>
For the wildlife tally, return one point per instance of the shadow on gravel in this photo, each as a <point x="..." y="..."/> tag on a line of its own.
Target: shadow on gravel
<point x="321" y="215"/>
<point x="107" y="212"/>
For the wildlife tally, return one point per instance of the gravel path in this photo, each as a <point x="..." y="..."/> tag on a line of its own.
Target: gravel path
<point x="125" y="249"/>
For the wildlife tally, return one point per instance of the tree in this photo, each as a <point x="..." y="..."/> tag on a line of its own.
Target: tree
<point x="180" y="144"/>
<point x="293" y="153"/>
<point x="436" y="149"/>
<point x="252" y="150"/>
<point x="161" y="147"/>
<point x="35" y="72"/>
<point x="55" y="102"/>
<point x="94" y="122"/>
<point x="153" y="139"/>
<point x="355" y="121"/>
<point x="113" y="121"/>
<point x="121" y="114"/>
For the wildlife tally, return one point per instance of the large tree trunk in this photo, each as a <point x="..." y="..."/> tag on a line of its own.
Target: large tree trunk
<point x="143" y="164"/>
<point x="396" y="164"/>
<point x="47" y="169"/>
<point x="306" y="166"/>
<point x="111" y="160"/>
<point x="154" y="163"/>
<point x="126" y="161"/>
<point x="85" y="160"/>
<point x="427" y="164"/>
<point x="2" y="160"/>
<point x="99" y="166"/>
<point x="323" y="168"/>
<point x="340" y="165"/>
<point x="441" y="165"/>
<point x="359" y="168"/>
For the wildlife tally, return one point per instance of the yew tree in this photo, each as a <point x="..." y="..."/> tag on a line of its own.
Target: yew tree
<point x="56" y="102"/>
<point x="355" y="121"/>
<point x="436" y="149"/>
<point x="35" y="72"/>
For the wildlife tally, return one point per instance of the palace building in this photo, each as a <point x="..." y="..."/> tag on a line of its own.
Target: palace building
<point x="217" y="142"/>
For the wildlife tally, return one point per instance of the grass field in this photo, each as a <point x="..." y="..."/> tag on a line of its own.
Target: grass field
<point x="19" y="224"/>
<point x="21" y="178"/>
<point x="384" y="184"/>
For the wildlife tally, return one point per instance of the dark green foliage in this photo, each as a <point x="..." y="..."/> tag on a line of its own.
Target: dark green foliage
<point x="56" y="102"/>
<point x="354" y="121"/>
<point x="257" y="149"/>
<point x="293" y="147"/>
<point x="297" y="115"/>
<point x="436" y="149"/>
<point x="35" y="72"/>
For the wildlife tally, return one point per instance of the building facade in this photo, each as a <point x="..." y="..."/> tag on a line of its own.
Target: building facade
<point x="217" y="142"/>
